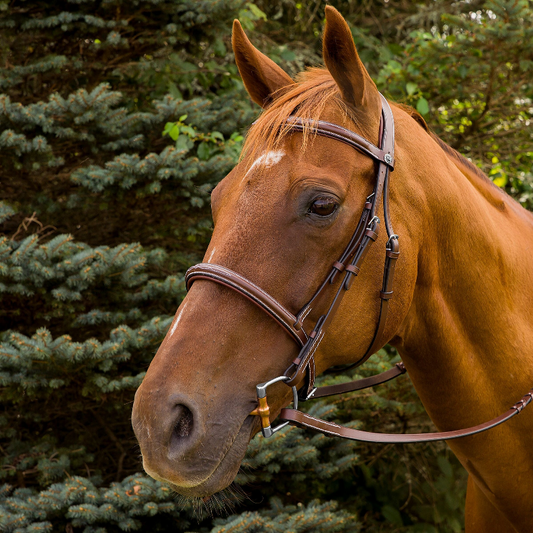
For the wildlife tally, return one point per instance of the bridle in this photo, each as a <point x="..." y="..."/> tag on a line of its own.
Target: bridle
<point x="300" y="375"/>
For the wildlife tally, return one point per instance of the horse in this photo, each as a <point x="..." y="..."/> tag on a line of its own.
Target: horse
<point x="463" y="287"/>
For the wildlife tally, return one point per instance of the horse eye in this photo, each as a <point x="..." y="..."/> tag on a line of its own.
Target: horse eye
<point x="323" y="207"/>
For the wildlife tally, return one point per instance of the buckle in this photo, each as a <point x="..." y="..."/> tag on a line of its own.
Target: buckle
<point x="263" y="410"/>
<point x="392" y="238"/>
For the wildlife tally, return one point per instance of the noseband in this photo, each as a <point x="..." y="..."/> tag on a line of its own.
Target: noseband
<point x="300" y="375"/>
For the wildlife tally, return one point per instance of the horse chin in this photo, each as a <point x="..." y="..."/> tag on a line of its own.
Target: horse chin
<point x="223" y="474"/>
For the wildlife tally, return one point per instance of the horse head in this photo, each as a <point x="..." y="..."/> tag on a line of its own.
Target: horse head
<point x="281" y="218"/>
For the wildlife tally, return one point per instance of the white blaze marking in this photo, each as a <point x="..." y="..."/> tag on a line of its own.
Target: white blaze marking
<point x="174" y="326"/>
<point x="266" y="160"/>
<point x="211" y="254"/>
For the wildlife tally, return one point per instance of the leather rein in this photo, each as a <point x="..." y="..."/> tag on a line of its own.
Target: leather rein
<point x="300" y="375"/>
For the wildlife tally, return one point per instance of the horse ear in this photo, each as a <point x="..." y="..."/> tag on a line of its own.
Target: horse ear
<point x="341" y="59"/>
<point x="261" y="76"/>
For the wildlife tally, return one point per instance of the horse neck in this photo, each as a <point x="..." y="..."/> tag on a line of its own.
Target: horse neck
<point x="468" y="328"/>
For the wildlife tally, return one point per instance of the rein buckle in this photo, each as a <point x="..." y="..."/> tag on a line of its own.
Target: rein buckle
<point x="263" y="410"/>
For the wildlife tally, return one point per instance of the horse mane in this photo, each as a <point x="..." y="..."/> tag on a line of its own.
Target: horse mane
<point x="312" y="91"/>
<point x="461" y="160"/>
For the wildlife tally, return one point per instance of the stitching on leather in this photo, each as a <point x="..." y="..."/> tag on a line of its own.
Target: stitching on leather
<point x="385" y="132"/>
<point x="349" y="137"/>
<point x="306" y="312"/>
<point x="312" y="352"/>
<point x="259" y="289"/>
<point x="325" y="422"/>
<point x="271" y="311"/>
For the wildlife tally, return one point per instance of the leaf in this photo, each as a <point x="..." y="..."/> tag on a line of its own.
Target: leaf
<point x="183" y="117"/>
<point x="422" y="106"/>
<point x="462" y="71"/>
<point x="245" y="20"/>
<point x="186" y="65"/>
<point x="217" y="135"/>
<point x="287" y="55"/>
<point x="168" y="127"/>
<point x="455" y="525"/>
<point x="174" y="132"/>
<point x="500" y="181"/>
<point x="256" y="11"/>
<point x="219" y="47"/>
<point x="392" y="515"/>
<point x="394" y="66"/>
<point x="188" y="131"/>
<point x="411" y="88"/>
<point x="204" y="151"/>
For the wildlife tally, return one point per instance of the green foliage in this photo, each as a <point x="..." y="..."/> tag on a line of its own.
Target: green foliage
<point x="471" y="79"/>
<point x="139" y="502"/>
<point x="126" y="70"/>
<point x="315" y="517"/>
<point x="116" y="120"/>
<point x="209" y="144"/>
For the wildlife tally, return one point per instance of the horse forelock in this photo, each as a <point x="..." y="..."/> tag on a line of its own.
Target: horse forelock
<point x="314" y="90"/>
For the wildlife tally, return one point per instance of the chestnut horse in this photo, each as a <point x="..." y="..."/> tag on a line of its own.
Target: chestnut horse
<point x="460" y="317"/>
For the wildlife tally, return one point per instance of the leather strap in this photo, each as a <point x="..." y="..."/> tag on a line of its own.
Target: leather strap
<point x="303" y="420"/>
<point x="397" y="370"/>
<point x="249" y="290"/>
<point x="298" y="369"/>
<point x="334" y="131"/>
<point x="392" y="254"/>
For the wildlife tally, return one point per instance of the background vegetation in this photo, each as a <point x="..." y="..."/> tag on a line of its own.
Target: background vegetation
<point x="116" y="120"/>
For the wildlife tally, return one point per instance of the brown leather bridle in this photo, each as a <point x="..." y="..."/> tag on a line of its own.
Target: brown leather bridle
<point x="300" y="376"/>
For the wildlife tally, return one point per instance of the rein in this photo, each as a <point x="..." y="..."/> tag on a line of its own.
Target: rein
<point x="300" y="375"/>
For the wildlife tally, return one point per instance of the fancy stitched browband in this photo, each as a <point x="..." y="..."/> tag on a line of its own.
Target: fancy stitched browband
<point x="300" y="375"/>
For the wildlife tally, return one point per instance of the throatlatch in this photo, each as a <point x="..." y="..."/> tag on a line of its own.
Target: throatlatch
<point x="300" y="375"/>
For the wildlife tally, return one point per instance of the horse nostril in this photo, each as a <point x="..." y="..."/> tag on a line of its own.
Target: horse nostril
<point x="184" y="423"/>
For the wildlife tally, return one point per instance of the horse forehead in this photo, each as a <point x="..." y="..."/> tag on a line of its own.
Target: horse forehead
<point x="296" y="160"/>
<point x="265" y="161"/>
